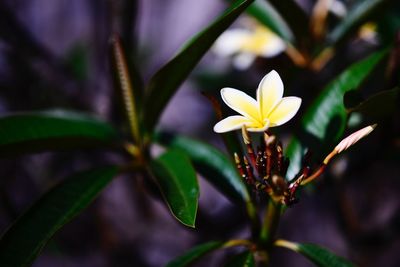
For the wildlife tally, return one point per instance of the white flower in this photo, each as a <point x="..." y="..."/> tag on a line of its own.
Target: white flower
<point x="269" y="110"/>
<point x="247" y="44"/>
<point x="368" y="33"/>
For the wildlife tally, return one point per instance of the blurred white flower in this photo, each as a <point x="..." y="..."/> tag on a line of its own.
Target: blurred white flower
<point x="367" y="32"/>
<point x="338" y="8"/>
<point x="245" y="44"/>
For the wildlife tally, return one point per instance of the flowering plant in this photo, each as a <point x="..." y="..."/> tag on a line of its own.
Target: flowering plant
<point x="275" y="145"/>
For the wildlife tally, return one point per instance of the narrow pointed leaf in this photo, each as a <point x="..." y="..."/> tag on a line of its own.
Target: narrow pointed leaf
<point x="40" y="131"/>
<point x="358" y="15"/>
<point x="266" y="14"/>
<point x="210" y="163"/>
<point x="24" y="240"/>
<point x="293" y="15"/>
<point x="130" y="90"/>
<point x="166" y="81"/>
<point x="325" y="120"/>
<point x="318" y="255"/>
<point x="378" y="106"/>
<point x="230" y="139"/>
<point x="244" y="259"/>
<point x="178" y="183"/>
<point x="194" y="254"/>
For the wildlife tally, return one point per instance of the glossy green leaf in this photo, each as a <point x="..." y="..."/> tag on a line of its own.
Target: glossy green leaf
<point x="166" y="81"/>
<point x="325" y="120"/>
<point x="210" y="163"/>
<point x="293" y="15"/>
<point x="194" y="254"/>
<point x="177" y="180"/>
<point x="40" y="131"/>
<point x="24" y="240"/>
<point x="244" y="259"/>
<point x="318" y="255"/>
<point x="378" y="106"/>
<point x="266" y="14"/>
<point x="358" y="15"/>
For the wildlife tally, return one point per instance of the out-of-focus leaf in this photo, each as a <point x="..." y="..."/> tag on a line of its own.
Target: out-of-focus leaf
<point x="352" y="99"/>
<point x="231" y="140"/>
<point x="194" y="254"/>
<point x="266" y="14"/>
<point x="379" y="105"/>
<point x="178" y="184"/>
<point x="77" y="62"/>
<point x="318" y="255"/>
<point x="389" y="24"/>
<point x="40" y="131"/>
<point x="358" y="15"/>
<point x="24" y="240"/>
<point x="130" y="90"/>
<point x="294" y="16"/>
<point x="244" y="259"/>
<point x="325" y="120"/>
<point x="165" y="82"/>
<point x="210" y="163"/>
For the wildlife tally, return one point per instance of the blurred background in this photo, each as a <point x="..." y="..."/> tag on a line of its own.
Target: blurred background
<point x="55" y="54"/>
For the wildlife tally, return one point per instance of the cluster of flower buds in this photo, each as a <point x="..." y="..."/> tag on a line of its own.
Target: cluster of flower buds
<point x="264" y="169"/>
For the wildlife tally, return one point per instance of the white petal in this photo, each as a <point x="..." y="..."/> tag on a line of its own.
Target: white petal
<point x="243" y="61"/>
<point x="231" y="123"/>
<point x="269" y="92"/>
<point x="241" y="103"/>
<point x="338" y="8"/>
<point x="230" y="42"/>
<point x="285" y="110"/>
<point x="273" y="47"/>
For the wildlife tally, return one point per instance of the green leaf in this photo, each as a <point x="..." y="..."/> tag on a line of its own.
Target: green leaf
<point x="266" y="14"/>
<point x="130" y="90"/>
<point x="166" y="81"/>
<point x="210" y="163"/>
<point x="178" y="184"/>
<point x="378" y="106"/>
<point x="325" y="120"/>
<point x="77" y="62"/>
<point x="318" y="255"/>
<point x="24" y="240"/>
<point x="40" y="131"/>
<point x="294" y="16"/>
<point x="244" y="259"/>
<point x="194" y="254"/>
<point x="358" y="15"/>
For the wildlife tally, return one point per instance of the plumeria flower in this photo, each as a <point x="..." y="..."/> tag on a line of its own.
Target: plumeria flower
<point x="269" y="110"/>
<point x="245" y="45"/>
<point x="368" y="33"/>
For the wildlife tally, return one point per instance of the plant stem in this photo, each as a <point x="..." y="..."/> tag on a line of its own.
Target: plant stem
<point x="270" y="225"/>
<point x="238" y="242"/>
<point x="254" y="219"/>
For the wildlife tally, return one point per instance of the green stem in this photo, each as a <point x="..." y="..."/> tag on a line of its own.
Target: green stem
<point x="270" y="224"/>
<point x="254" y="219"/>
<point x="238" y="242"/>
